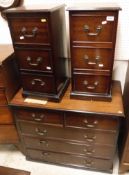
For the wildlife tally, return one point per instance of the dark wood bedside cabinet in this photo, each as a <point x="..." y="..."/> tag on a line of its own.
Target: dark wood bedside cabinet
<point x="9" y="84"/>
<point x="92" y="42"/>
<point x="75" y="133"/>
<point x="37" y="34"/>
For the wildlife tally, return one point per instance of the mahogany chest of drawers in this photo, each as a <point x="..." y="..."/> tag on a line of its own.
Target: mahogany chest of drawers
<point x="9" y="84"/>
<point x="37" y="35"/>
<point x="92" y="42"/>
<point x="75" y="133"/>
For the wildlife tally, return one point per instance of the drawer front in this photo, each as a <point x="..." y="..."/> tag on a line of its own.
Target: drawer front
<point x="100" y="151"/>
<point x="30" y="30"/>
<point x="38" y="83"/>
<point x="89" y="58"/>
<point x="87" y="136"/>
<point x="90" y="121"/>
<point x="44" y="116"/>
<point x="92" y="26"/>
<point x="91" y="83"/>
<point x="35" y="60"/>
<point x="68" y="159"/>
<point x="5" y="115"/>
<point x="3" y="100"/>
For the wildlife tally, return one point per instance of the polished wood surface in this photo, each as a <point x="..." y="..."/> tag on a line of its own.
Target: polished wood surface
<point x="115" y="107"/>
<point x="5" y="51"/>
<point x="12" y="171"/>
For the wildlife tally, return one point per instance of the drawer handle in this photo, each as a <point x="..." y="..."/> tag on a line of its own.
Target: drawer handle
<point x="97" y="59"/>
<point x="88" y="163"/>
<point x="90" y="125"/>
<point x="24" y="31"/>
<point x="37" y="62"/>
<point x="41" y="133"/>
<point x="43" y="142"/>
<point x="38" y="118"/>
<point x="87" y="29"/>
<point x="92" y="139"/>
<point x="45" y="154"/>
<point x="42" y="83"/>
<point x="90" y="86"/>
<point x="89" y="152"/>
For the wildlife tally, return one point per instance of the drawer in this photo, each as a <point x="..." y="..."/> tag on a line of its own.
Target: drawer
<point x="91" y="58"/>
<point x="86" y="121"/>
<point x="91" y="83"/>
<point x="30" y="29"/>
<point x="38" y="83"/>
<point x="8" y="134"/>
<point x="97" y="150"/>
<point x="67" y="159"/>
<point x="34" y="59"/>
<point x="3" y="100"/>
<point x="44" y="116"/>
<point x="92" y="26"/>
<point x="5" y="115"/>
<point x="87" y="136"/>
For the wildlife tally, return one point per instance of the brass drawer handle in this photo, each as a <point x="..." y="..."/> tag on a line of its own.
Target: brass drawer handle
<point x="97" y="59"/>
<point x="43" y="142"/>
<point x="88" y="163"/>
<point x="39" y="132"/>
<point x="42" y="83"/>
<point x="37" y="62"/>
<point x="87" y="30"/>
<point x="38" y="118"/>
<point x="90" y="139"/>
<point x="92" y="87"/>
<point x="90" y="125"/>
<point x="24" y="32"/>
<point x="45" y="154"/>
<point x="89" y="152"/>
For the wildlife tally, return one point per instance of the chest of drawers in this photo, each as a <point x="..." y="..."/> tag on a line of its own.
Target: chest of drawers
<point x="37" y="35"/>
<point x="71" y="132"/>
<point x="9" y="84"/>
<point x="92" y="44"/>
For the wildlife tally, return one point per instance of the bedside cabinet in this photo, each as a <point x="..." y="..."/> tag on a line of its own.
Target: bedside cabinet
<point x="37" y="35"/>
<point x="9" y="84"/>
<point x="92" y="44"/>
<point x="124" y="132"/>
<point x="77" y="133"/>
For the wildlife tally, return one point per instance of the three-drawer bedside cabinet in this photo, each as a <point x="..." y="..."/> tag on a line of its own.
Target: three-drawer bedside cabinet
<point x="38" y="34"/>
<point x="76" y="133"/>
<point x="9" y="84"/>
<point x="92" y="44"/>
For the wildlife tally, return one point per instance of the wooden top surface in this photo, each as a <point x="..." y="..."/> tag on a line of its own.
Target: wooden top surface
<point x="94" y="6"/>
<point x="35" y="8"/>
<point x="12" y="171"/>
<point x="115" y="107"/>
<point x="5" y="51"/>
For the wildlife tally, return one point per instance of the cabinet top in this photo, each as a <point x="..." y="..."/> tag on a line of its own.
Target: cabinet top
<point x="5" y="51"/>
<point x="35" y="8"/>
<point x="94" y="6"/>
<point x="113" y="108"/>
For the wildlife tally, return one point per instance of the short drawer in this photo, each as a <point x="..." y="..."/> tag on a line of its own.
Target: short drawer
<point x="87" y="136"/>
<point x="38" y="83"/>
<point x="3" y="100"/>
<point x="97" y="150"/>
<point x="91" y="58"/>
<point x="5" y="115"/>
<point x="30" y="29"/>
<point x="43" y="116"/>
<point x="67" y="159"/>
<point x="92" y="26"/>
<point x="90" y="121"/>
<point x="34" y="59"/>
<point x="91" y="83"/>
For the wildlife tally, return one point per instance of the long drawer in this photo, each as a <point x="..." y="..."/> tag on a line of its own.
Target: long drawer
<point x="101" y="151"/>
<point x="67" y="159"/>
<point x="87" y="135"/>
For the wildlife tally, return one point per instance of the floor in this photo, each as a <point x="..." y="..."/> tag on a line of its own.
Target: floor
<point x="10" y="156"/>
